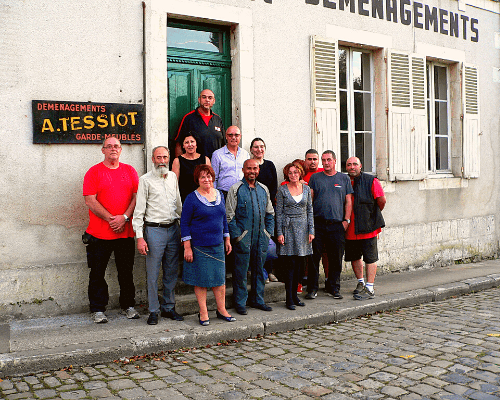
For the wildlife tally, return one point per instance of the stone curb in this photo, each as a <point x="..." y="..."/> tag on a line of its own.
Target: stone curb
<point x="105" y="351"/>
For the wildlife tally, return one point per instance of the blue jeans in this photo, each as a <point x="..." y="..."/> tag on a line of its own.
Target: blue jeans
<point x="244" y="260"/>
<point x="163" y="246"/>
<point x="98" y="255"/>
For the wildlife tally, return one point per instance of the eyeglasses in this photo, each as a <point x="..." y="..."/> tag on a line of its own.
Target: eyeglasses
<point x="233" y="134"/>
<point x="112" y="146"/>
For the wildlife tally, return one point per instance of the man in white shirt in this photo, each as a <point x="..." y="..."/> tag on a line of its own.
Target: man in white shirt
<point x="227" y="162"/>
<point x="156" y="225"/>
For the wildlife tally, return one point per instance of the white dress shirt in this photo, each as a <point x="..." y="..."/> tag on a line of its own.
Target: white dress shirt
<point x="158" y="200"/>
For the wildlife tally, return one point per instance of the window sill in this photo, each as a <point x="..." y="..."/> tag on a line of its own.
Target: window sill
<point x="437" y="182"/>
<point x="389" y="187"/>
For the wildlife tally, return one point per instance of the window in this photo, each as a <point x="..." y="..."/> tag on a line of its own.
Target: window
<point x="356" y="107"/>
<point x="432" y="109"/>
<point x="438" y="118"/>
<point x="195" y="39"/>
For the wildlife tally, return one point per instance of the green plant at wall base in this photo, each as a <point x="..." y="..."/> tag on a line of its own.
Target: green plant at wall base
<point x="33" y="301"/>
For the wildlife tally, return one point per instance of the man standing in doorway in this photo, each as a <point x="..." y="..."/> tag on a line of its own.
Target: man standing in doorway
<point x="109" y="189"/>
<point x="205" y="123"/>
<point x="227" y="162"/>
<point x="250" y="217"/>
<point x="332" y="203"/>
<point x="366" y="223"/>
<point x="156" y="225"/>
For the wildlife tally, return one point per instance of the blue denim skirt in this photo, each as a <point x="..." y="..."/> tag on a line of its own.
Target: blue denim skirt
<point x="208" y="268"/>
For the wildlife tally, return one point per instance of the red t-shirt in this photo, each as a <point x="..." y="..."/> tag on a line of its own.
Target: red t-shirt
<point x="206" y="118"/>
<point x="377" y="191"/>
<point x="114" y="189"/>
<point x="307" y="176"/>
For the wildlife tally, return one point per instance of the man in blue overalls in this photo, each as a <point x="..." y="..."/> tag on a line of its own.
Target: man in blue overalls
<point x="250" y="217"/>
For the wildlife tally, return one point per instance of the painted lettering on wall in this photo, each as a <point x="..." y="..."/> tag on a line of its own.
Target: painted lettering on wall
<point x="74" y="122"/>
<point x="409" y="12"/>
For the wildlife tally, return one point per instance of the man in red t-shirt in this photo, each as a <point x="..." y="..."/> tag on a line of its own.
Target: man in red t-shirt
<point x="311" y="163"/>
<point x="109" y="189"/>
<point x="365" y="224"/>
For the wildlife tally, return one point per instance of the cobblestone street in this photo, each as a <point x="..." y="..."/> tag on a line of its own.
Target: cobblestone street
<point x="442" y="350"/>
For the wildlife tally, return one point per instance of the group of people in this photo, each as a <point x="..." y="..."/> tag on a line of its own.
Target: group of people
<point x="220" y="204"/>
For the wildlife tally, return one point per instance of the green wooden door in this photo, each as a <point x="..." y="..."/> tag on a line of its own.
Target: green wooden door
<point x="198" y="58"/>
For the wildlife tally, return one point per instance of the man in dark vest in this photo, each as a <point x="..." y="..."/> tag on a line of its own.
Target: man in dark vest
<point x="366" y="223"/>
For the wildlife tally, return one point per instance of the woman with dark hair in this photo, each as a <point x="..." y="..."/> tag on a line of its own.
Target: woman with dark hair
<point x="267" y="176"/>
<point x="267" y="173"/>
<point x="184" y="165"/>
<point x="294" y="228"/>
<point x="205" y="235"/>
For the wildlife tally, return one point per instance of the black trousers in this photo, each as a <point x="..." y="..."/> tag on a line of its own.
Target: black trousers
<point x="98" y="255"/>
<point x="291" y="269"/>
<point x="331" y="239"/>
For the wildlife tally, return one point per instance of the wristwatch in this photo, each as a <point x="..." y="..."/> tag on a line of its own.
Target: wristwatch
<point x="126" y="218"/>
<point x="348" y="221"/>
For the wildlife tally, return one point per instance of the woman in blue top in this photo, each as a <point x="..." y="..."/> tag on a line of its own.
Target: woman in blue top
<point x="205" y="235"/>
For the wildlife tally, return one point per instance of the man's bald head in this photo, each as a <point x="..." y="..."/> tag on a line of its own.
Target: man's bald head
<point x="353" y="166"/>
<point x="206" y="100"/>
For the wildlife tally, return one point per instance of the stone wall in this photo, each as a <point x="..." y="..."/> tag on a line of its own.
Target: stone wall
<point x="437" y="243"/>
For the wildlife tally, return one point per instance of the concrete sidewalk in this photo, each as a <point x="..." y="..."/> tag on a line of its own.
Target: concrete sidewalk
<point x="35" y="345"/>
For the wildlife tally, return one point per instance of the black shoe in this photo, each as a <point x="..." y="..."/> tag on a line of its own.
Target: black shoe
<point x="203" y="323"/>
<point x="263" y="307"/>
<point x="153" y="318"/>
<point x="290" y="306"/>
<point x="172" y="315"/>
<point x="311" y="295"/>
<point x="241" y="310"/>
<point x="336" y="295"/>
<point x="227" y="319"/>
<point x="300" y="303"/>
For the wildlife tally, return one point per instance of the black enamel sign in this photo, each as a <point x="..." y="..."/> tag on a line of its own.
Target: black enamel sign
<point x="75" y="122"/>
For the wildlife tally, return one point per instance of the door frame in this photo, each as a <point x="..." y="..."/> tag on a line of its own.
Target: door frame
<point x="240" y="20"/>
<point x="199" y="63"/>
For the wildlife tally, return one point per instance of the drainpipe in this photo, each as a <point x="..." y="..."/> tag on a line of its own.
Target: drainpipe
<point x="144" y="81"/>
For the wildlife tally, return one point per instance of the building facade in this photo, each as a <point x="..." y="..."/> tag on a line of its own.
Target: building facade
<point x="410" y="87"/>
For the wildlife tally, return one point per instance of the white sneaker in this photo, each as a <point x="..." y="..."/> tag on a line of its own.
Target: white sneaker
<point x="131" y="313"/>
<point x="100" y="317"/>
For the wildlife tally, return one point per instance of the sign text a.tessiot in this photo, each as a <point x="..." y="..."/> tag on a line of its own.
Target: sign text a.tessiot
<point x="78" y="122"/>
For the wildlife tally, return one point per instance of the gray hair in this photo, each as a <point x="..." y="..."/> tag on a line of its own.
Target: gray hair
<point x="159" y="147"/>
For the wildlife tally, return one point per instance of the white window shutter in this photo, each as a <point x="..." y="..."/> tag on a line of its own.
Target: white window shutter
<point x="325" y="96"/>
<point x="407" y="124"/>
<point x="471" y="128"/>
<point x="419" y="115"/>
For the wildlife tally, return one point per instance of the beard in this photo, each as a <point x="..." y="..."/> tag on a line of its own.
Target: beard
<point x="162" y="169"/>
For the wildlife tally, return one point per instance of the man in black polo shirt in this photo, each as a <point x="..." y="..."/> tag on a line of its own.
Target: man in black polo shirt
<point x="207" y="125"/>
